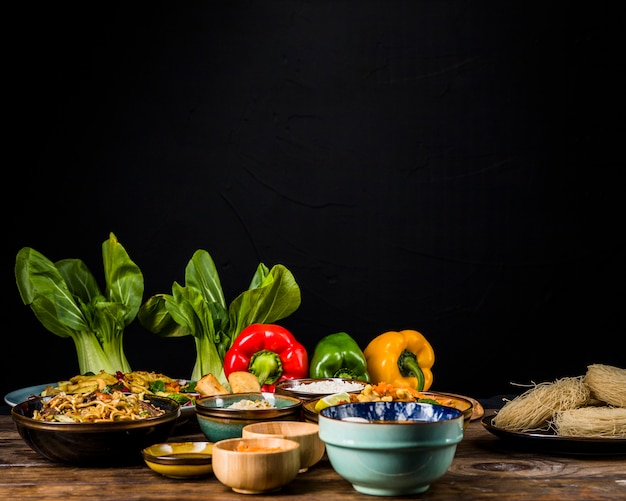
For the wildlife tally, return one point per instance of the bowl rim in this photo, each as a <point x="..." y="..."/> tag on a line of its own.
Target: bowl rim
<point x="202" y="407"/>
<point x="288" y="383"/>
<point x="289" y="444"/>
<point x="23" y="420"/>
<point x="308" y="407"/>
<point x="198" y="460"/>
<point x="173" y="458"/>
<point x="453" y="412"/>
<point x="308" y="428"/>
<point x="454" y="396"/>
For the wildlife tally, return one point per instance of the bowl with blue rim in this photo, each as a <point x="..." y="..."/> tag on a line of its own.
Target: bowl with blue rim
<point x="391" y="448"/>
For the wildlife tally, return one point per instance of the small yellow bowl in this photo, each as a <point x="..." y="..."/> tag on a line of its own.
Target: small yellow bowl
<point x="180" y="459"/>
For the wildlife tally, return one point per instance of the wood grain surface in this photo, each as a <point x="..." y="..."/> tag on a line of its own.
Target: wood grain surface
<point x="484" y="468"/>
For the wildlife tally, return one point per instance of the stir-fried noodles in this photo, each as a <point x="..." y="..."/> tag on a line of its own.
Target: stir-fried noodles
<point x="149" y="383"/>
<point x="96" y="407"/>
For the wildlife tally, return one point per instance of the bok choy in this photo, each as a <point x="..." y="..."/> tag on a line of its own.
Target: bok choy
<point x="67" y="300"/>
<point x="199" y="309"/>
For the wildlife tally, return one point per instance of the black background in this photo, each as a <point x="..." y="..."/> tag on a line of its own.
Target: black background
<point x="452" y="167"/>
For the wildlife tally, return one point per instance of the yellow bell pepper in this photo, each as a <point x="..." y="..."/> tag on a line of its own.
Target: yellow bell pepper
<point x="403" y="358"/>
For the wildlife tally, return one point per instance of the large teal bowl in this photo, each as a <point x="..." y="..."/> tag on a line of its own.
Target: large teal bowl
<point x="219" y="421"/>
<point x="390" y="448"/>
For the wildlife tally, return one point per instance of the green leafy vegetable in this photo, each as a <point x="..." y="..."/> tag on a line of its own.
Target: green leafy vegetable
<point x="199" y="309"/>
<point x="157" y="386"/>
<point x="180" y="398"/>
<point x="67" y="300"/>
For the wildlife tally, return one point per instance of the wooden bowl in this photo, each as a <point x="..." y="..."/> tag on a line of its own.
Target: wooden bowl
<point x="306" y="434"/>
<point x="256" y="465"/>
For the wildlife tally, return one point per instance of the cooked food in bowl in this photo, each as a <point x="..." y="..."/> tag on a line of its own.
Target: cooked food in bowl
<point x="312" y="388"/>
<point x="141" y="382"/>
<point x="384" y="392"/>
<point x="100" y="439"/>
<point x="95" y="407"/>
<point x="252" y="404"/>
<point x="224" y="416"/>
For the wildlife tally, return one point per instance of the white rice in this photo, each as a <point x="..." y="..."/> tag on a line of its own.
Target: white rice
<point x="327" y="387"/>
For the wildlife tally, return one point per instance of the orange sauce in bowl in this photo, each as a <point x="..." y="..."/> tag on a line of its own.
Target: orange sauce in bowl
<point x="241" y="447"/>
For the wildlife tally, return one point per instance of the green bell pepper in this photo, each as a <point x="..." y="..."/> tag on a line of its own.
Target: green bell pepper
<point x="338" y="355"/>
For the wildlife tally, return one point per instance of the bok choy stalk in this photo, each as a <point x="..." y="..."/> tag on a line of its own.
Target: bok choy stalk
<point x="67" y="300"/>
<point x="199" y="309"/>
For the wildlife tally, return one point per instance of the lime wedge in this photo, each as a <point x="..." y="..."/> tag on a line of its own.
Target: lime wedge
<point x="334" y="399"/>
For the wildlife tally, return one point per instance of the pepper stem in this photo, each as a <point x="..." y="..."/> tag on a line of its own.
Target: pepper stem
<point x="408" y="365"/>
<point x="346" y="373"/>
<point x="266" y="366"/>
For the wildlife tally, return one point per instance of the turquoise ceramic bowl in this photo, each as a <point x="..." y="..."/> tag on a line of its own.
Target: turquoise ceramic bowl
<point x="218" y="420"/>
<point x="390" y="448"/>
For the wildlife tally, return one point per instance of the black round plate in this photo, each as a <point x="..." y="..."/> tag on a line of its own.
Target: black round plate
<point x="549" y="442"/>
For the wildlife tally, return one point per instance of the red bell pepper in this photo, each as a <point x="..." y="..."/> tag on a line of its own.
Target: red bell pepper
<point x="268" y="351"/>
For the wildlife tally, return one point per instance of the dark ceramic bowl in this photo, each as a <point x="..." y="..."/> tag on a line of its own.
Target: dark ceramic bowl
<point x="391" y="448"/>
<point x="218" y="420"/>
<point x="313" y="388"/>
<point x="94" y="444"/>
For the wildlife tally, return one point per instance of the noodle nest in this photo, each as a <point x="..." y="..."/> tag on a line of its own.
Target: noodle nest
<point x="591" y="422"/>
<point x="607" y="384"/>
<point x="593" y="405"/>
<point x="535" y="408"/>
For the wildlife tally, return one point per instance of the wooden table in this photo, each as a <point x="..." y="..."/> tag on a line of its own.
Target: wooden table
<point x="484" y="468"/>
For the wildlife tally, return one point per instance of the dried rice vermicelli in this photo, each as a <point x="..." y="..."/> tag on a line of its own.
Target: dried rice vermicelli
<point x="535" y="408"/>
<point x="607" y="384"/>
<point x="591" y="422"/>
